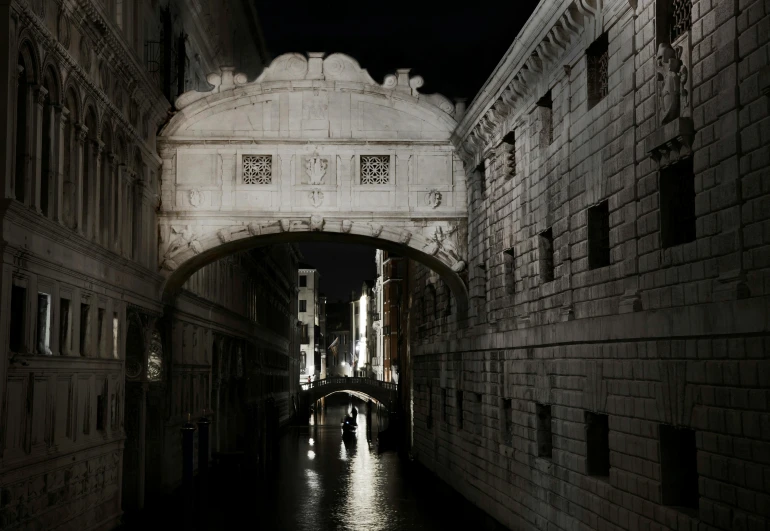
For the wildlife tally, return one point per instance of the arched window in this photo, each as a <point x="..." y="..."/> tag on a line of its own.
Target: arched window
<point x="90" y="153"/>
<point x="103" y="223"/>
<point x="22" y="118"/>
<point x="155" y="358"/>
<point x="71" y="167"/>
<point x="49" y="135"/>
<point x="119" y="14"/>
<point x="302" y="361"/>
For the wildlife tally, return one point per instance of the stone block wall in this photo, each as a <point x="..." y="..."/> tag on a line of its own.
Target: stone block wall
<point x="668" y="340"/>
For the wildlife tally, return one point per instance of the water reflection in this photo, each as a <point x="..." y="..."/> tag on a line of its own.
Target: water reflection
<point x="327" y="482"/>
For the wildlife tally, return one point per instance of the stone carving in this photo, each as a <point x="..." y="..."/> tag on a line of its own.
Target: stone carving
<point x="316" y="108"/>
<point x="316" y="223"/>
<point x="458" y="266"/>
<point x="195" y="197"/>
<point x="224" y="235"/>
<point x="254" y="229"/>
<point x="433" y="198"/>
<point x="671" y="77"/>
<point x="376" y="231"/>
<point x="316" y="167"/>
<point x="404" y="237"/>
<point x="316" y="197"/>
<point x="440" y="240"/>
<point x="346" y="225"/>
<point x="285" y="225"/>
<point x="185" y="239"/>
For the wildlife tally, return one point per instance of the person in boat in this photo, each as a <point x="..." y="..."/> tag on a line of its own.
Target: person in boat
<point x="354" y="415"/>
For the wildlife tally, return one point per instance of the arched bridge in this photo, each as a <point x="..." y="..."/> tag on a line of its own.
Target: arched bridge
<point x="384" y="392"/>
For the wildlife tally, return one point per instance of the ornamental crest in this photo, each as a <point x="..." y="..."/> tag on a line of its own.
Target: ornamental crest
<point x="315" y="167"/>
<point x="316" y="197"/>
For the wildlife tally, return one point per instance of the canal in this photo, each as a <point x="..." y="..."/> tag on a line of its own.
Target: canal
<point x="323" y="481"/>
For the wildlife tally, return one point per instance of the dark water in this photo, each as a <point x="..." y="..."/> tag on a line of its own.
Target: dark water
<point x="325" y="482"/>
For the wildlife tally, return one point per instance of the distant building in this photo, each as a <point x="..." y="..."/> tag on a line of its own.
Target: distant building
<point x="360" y="325"/>
<point x="338" y="352"/>
<point x="308" y="314"/>
<point x="391" y="270"/>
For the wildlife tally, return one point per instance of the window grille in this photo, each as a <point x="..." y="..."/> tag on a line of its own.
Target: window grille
<point x="510" y="153"/>
<point x="257" y="169"/>
<point x="155" y="359"/>
<point x="598" y="73"/>
<point x="681" y="18"/>
<point x="375" y="169"/>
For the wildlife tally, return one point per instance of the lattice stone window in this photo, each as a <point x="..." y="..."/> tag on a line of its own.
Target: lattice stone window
<point x="257" y="169"/>
<point x="375" y="169"/>
<point x="509" y="142"/>
<point x="598" y="75"/>
<point x="680" y="18"/>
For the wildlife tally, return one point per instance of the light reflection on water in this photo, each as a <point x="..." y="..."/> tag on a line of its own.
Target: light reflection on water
<point x="327" y="482"/>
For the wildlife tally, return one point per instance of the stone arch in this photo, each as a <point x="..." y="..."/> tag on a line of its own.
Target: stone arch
<point x="53" y="81"/>
<point x="27" y="52"/>
<point x="188" y="250"/>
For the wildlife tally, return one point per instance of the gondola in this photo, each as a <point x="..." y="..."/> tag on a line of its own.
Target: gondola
<point x="349" y="426"/>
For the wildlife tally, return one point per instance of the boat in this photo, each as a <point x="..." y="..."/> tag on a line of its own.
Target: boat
<point x="349" y="426"/>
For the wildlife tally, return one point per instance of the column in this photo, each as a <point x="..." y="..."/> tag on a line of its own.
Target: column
<point x="81" y="214"/>
<point x="96" y="147"/>
<point x="10" y="166"/>
<point x="128" y="227"/>
<point x="137" y="243"/>
<point x="107" y="203"/>
<point x="60" y="121"/>
<point x="38" y="97"/>
<point x="119" y="178"/>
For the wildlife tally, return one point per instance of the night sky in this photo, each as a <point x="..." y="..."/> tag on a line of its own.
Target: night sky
<point x="454" y="47"/>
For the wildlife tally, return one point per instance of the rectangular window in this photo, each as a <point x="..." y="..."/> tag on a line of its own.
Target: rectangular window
<point x="599" y="235"/>
<point x="443" y="405"/>
<point x="18" y="317"/>
<point x="545" y="112"/>
<point x="100" y="330"/>
<point x="375" y="169"/>
<point x="482" y="179"/>
<point x="545" y="248"/>
<point x="430" y="408"/>
<point x="510" y="154"/>
<point x="85" y="328"/>
<point x="597" y="57"/>
<point x="65" y="320"/>
<point x="544" y="435"/>
<point x="460" y="409"/>
<point x="677" y="204"/>
<point x="100" y="412"/>
<point x="678" y="467"/>
<point x="506" y="422"/>
<point x="597" y="444"/>
<point x="257" y="169"/>
<point x="44" y="323"/>
<point x="303" y="281"/>
<point x="302" y="305"/>
<point x="115" y="335"/>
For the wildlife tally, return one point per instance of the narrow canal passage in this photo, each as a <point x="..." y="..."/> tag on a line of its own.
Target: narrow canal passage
<point x="323" y="481"/>
<point x="326" y="482"/>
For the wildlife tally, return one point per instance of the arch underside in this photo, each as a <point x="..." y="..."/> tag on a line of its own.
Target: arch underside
<point x="383" y="396"/>
<point x="191" y="251"/>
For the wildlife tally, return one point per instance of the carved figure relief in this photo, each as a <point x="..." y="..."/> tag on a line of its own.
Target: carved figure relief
<point x="440" y="240"/>
<point x="185" y="239"/>
<point x="317" y="108"/>
<point x="315" y="167"/>
<point x="671" y="77"/>
<point x="316" y="223"/>
<point x="316" y="197"/>
<point x="346" y="225"/>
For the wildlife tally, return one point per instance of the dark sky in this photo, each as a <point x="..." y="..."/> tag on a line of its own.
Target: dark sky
<point x="453" y="46"/>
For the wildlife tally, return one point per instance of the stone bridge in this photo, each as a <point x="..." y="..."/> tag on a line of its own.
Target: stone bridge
<point x="313" y="149"/>
<point x="384" y="392"/>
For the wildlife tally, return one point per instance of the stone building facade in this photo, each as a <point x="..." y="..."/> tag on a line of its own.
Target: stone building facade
<point x="96" y="369"/>
<point x="613" y="371"/>
<point x="308" y="314"/>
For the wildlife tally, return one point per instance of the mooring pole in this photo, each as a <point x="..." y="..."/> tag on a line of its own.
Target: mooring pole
<point x="188" y="493"/>
<point x="203" y="471"/>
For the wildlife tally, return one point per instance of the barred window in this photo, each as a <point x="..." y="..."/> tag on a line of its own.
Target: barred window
<point x="680" y="19"/>
<point x="257" y="169"/>
<point x="375" y="169"/>
<point x="545" y="105"/>
<point x="598" y="75"/>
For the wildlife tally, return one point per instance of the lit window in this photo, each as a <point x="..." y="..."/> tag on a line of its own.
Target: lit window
<point x="115" y="331"/>
<point x="155" y="358"/>
<point x="44" y="323"/>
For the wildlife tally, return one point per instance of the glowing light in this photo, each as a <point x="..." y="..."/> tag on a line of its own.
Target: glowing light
<point x="311" y="454"/>
<point x="362" y="313"/>
<point x="311" y="441"/>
